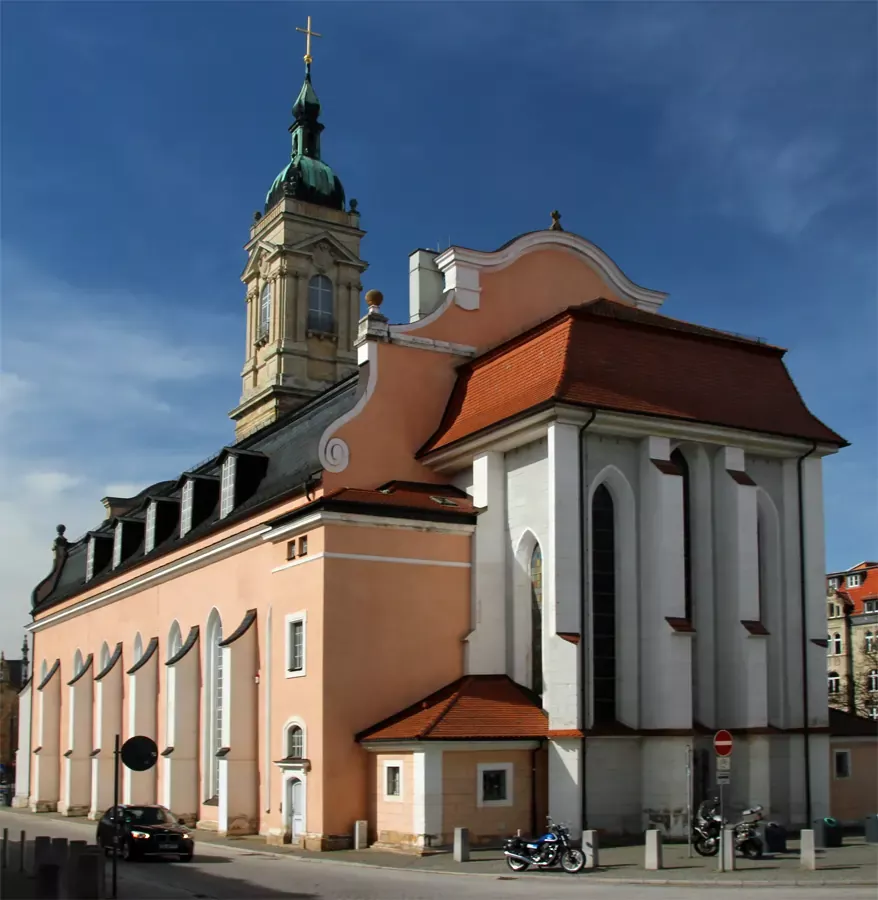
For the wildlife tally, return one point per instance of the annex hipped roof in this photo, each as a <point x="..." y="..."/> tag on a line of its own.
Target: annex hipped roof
<point x="475" y="707"/>
<point x="609" y="355"/>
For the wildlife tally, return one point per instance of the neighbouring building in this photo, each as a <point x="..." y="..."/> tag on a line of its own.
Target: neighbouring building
<point x="852" y="639"/>
<point x="519" y="554"/>
<point x="13" y="675"/>
<point x="853" y="744"/>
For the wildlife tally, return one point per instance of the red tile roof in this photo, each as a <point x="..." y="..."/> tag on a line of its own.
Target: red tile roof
<point x="608" y="355"/>
<point x="475" y="707"/>
<point x="855" y="597"/>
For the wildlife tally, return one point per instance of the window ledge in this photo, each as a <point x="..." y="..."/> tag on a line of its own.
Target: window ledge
<point x="322" y="335"/>
<point x="300" y="673"/>
<point x="680" y="625"/>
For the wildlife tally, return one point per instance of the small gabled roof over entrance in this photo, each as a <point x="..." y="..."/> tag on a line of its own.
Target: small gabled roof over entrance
<point x="475" y="707"/>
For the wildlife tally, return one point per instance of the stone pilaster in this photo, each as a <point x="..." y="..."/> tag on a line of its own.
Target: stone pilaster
<point x="76" y="786"/>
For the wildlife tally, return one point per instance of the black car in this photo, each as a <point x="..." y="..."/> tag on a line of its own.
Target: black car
<point x="145" y="831"/>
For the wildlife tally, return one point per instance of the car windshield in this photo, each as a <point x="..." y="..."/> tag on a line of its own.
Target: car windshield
<point x="148" y="815"/>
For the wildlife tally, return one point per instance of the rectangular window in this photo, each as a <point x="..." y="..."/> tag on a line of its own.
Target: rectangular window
<point x="295" y="645"/>
<point x="117" y="545"/>
<point x="303" y="545"/>
<point x="90" y="560"/>
<point x="149" y="537"/>
<point x="227" y="487"/>
<point x="291" y="550"/>
<point x="494" y="784"/>
<point x="833" y="582"/>
<point x="186" y="507"/>
<point x="855" y="580"/>
<point x="870" y="606"/>
<point x="393" y="780"/>
<point x="842" y="763"/>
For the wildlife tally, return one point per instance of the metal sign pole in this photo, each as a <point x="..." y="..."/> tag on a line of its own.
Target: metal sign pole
<point x="689" y="796"/>
<point x="116" y="755"/>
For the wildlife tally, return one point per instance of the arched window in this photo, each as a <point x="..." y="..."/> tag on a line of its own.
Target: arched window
<point x="603" y="604"/>
<point x="679" y="460"/>
<point x="214" y="704"/>
<point x="834" y="683"/>
<point x="536" y="620"/>
<point x="77" y="663"/>
<point x="295" y="742"/>
<point x="320" y="314"/>
<point x="138" y="647"/>
<point x="870" y="642"/>
<point x="264" y="311"/>
<point x="105" y="656"/>
<point x="836" y="644"/>
<point x="873" y="681"/>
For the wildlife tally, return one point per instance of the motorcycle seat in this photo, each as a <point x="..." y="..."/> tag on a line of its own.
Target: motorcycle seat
<point x="751" y="811"/>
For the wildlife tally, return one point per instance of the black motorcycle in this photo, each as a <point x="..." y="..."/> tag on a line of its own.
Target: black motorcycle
<point x="708" y="826"/>
<point x="544" y="852"/>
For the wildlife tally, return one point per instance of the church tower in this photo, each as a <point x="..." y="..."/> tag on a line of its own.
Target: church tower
<point x="302" y="279"/>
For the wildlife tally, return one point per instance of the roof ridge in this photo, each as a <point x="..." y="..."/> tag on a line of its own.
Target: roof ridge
<point x="451" y="703"/>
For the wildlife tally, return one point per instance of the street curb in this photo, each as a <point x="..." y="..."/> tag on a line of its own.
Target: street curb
<point x="497" y="876"/>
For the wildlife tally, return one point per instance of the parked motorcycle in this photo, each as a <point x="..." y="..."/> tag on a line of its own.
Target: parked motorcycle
<point x="708" y="826"/>
<point x="544" y="852"/>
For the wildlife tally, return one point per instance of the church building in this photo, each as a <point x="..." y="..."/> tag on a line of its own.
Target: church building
<point x="520" y="555"/>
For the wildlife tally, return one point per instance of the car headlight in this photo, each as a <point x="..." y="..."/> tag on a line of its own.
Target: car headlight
<point x="140" y="835"/>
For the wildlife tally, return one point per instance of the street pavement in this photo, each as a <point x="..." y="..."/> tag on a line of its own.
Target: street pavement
<point x="221" y="871"/>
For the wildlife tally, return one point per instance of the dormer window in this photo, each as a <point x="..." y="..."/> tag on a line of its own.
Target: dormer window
<point x="186" y="507"/>
<point x="227" y="489"/>
<point x="100" y="552"/>
<point x="90" y="560"/>
<point x="149" y="537"/>
<point x="264" y="313"/>
<point x="117" y="545"/>
<point x="320" y="313"/>
<point x="833" y="583"/>
<point x="855" y="580"/>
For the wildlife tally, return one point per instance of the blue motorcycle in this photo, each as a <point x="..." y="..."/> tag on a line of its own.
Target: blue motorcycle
<point x="544" y="852"/>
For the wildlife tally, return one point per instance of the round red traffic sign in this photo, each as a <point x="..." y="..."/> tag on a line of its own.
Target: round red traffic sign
<point x="722" y="743"/>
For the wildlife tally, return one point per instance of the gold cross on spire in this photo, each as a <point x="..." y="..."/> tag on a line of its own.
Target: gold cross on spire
<point x="308" y="35"/>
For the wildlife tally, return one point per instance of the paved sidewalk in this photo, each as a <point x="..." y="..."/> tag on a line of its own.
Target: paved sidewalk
<point x="853" y="864"/>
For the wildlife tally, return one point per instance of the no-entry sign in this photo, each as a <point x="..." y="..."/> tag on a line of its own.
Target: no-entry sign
<point x="722" y="743"/>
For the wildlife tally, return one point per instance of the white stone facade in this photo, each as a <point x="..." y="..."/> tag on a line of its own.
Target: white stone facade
<point x="729" y="656"/>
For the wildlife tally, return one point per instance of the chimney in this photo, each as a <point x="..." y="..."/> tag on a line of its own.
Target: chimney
<point x="426" y="284"/>
<point x="116" y="506"/>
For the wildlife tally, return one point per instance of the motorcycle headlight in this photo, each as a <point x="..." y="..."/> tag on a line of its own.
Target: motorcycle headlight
<point x="140" y="835"/>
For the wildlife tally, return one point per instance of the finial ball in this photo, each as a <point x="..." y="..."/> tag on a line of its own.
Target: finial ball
<point x="374" y="298"/>
<point x="60" y="529"/>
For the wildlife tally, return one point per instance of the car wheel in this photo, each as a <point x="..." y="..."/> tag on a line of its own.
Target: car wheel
<point x="127" y="851"/>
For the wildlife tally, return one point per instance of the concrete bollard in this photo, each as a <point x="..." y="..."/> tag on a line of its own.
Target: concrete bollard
<point x="87" y="877"/>
<point x="59" y="852"/>
<point x="653" y="859"/>
<point x="361" y="834"/>
<point x="75" y="849"/>
<point x="21" y="851"/>
<point x="42" y="852"/>
<point x="590" y="849"/>
<point x="461" y="845"/>
<point x="46" y="886"/>
<point x="727" y="857"/>
<point x="808" y="849"/>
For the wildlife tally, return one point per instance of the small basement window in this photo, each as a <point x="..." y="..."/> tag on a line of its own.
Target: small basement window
<point x="494" y="784"/>
<point x="842" y="763"/>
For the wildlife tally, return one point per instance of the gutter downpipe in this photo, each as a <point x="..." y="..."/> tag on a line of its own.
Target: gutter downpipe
<point x="583" y="573"/>
<point x="806" y="730"/>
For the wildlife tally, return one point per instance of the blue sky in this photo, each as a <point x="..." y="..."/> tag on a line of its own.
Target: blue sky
<point x="723" y="152"/>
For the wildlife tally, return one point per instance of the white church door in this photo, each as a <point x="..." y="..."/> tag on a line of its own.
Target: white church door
<point x="295" y="823"/>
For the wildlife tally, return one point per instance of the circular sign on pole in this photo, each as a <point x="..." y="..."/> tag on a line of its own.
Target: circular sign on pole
<point x="139" y="753"/>
<point x="722" y="743"/>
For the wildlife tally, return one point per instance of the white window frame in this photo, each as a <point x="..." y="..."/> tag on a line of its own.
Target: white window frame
<point x="264" y="327"/>
<point x="833" y="677"/>
<point x="392" y="764"/>
<point x="295" y="723"/>
<point x="873" y="713"/>
<point x="872" y="681"/>
<point x="837" y="644"/>
<point x="869" y="642"/>
<point x="855" y="579"/>
<point x="90" y="559"/>
<point x="835" y="755"/>
<point x="289" y="621"/>
<point x="318" y="315"/>
<point x="481" y="768"/>
<point x="870" y="606"/>
<point x="117" y="545"/>
<point x="149" y="534"/>
<point x="187" y="500"/>
<point x="227" y="485"/>
<point x="833" y="583"/>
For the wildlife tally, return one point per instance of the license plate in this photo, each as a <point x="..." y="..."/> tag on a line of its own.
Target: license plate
<point x="167" y="846"/>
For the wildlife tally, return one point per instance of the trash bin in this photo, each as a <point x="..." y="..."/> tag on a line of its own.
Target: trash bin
<point x="872" y="829"/>
<point x="775" y="838"/>
<point x="5" y="795"/>
<point x="827" y="832"/>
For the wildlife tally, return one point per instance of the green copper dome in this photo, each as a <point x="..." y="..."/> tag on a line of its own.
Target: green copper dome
<point x="306" y="177"/>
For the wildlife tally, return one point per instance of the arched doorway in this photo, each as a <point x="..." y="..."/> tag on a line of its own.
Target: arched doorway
<point x="294" y="820"/>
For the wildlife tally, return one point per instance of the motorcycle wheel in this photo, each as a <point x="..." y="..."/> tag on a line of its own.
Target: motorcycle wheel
<point x="572" y="861"/>
<point x="516" y="864"/>
<point x="703" y="848"/>
<point x="752" y="848"/>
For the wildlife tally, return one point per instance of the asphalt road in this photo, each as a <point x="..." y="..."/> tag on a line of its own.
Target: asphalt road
<point x="220" y="873"/>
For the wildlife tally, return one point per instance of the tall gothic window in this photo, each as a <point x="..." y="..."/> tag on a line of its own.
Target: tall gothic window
<point x="264" y="312"/>
<point x="536" y="613"/>
<point x="320" y="314"/>
<point x="680" y="462"/>
<point x="214" y="704"/>
<point x="603" y="602"/>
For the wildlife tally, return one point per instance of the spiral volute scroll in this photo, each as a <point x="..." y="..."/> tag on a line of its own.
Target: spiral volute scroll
<point x="336" y="455"/>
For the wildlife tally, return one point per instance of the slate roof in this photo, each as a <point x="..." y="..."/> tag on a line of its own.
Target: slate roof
<point x="291" y="447"/>
<point x="611" y="356"/>
<point x="475" y="707"/>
